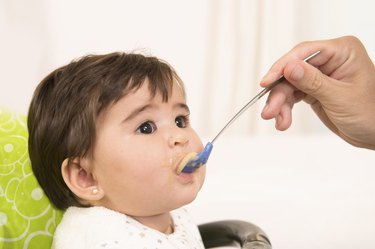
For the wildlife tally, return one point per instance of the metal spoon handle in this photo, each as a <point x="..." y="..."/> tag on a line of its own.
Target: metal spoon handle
<point x="256" y="98"/>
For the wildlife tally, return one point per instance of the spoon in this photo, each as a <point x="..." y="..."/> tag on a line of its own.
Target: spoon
<point x="201" y="158"/>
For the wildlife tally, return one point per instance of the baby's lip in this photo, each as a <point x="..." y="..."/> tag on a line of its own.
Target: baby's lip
<point x="184" y="161"/>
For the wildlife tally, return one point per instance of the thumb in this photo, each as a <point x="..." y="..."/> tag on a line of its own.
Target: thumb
<point x="308" y="79"/>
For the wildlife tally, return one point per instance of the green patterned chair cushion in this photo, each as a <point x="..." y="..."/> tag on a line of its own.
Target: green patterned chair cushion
<point x="27" y="219"/>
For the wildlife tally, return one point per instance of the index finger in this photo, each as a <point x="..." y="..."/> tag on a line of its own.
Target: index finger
<point x="300" y="52"/>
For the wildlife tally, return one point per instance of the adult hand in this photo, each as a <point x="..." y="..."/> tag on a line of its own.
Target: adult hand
<point x="339" y="85"/>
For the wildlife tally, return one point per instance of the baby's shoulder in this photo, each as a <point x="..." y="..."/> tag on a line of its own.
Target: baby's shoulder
<point x="92" y="215"/>
<point x="81" y="227"/>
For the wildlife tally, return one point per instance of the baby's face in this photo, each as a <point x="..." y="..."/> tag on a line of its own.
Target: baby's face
<point x="140" y="143"/>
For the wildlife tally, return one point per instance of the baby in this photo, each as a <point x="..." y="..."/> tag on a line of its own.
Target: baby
<point x="107" y="136"/>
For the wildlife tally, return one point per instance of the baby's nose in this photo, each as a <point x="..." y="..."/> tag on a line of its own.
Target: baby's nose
<point x="179" y="137"/>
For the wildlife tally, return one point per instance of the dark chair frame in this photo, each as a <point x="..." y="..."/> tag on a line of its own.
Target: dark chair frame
<point x="229" y="232"/>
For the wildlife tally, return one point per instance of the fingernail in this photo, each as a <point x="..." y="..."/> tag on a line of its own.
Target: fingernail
<point x="297" y="73"/>
<point x="268" y="78"/>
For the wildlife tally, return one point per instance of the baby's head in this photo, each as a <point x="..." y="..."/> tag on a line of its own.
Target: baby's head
<point x="110" y="130"/>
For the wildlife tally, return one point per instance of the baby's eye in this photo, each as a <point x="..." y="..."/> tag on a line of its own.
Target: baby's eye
<point x="182" y="121"/>
<point x="147" y="127"/>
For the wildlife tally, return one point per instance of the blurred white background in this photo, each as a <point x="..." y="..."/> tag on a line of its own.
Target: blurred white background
<point x="304" y="187"/>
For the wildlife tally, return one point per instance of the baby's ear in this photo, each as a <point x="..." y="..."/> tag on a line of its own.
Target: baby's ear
<point x="80" y="180"/>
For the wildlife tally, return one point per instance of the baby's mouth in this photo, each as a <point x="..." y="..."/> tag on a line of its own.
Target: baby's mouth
<point x="185" y="160"/>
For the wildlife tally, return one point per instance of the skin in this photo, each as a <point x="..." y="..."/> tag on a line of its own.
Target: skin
<point x="338" y="84"/>
<point x="140" y="143"/>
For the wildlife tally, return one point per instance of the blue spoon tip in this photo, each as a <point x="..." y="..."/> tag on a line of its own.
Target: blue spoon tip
<point x="199" y="160"/>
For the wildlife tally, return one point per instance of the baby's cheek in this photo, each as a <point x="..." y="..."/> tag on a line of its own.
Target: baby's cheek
<point x="196" y="140"/>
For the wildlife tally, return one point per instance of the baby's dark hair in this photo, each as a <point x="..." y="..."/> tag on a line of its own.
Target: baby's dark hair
<point x="63" y="111"/>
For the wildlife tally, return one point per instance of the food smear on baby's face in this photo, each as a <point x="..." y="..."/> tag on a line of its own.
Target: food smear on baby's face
<point x="190" y="156"/>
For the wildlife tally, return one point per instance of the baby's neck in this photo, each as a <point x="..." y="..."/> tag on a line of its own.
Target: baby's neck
<point x="161" y="222"/>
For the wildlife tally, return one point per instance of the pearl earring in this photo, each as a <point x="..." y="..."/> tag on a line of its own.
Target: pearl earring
<point x="95" y="191"/>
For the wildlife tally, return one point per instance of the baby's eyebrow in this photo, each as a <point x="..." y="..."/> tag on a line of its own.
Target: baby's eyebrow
<point x="137" y="111"/>
<point x="143" y="108"/>
<point x="183" y="106"/>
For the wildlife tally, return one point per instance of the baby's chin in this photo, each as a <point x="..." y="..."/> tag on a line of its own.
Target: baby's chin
<point x="186" y="198"/>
